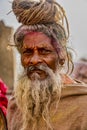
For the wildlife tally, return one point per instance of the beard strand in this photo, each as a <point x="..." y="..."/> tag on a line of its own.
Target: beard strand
<point x="34" y="97"/>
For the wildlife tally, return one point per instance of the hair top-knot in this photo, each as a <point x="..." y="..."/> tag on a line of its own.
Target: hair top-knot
<point x="39" y="12"/>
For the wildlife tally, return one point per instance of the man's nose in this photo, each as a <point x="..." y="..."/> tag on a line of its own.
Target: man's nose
<point x="35" y="59"/>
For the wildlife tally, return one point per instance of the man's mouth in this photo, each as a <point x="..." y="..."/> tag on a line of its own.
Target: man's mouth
<point x="36" y="71"/>
<point x="32" y="71"/>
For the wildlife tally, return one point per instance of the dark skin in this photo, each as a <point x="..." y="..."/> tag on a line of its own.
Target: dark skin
<point x="37" y="49"/>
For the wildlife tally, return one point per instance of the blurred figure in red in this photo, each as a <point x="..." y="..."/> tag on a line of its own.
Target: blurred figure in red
<point x="3" y="105"/>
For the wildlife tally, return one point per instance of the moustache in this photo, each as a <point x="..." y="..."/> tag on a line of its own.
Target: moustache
<point x="41" y="67"/>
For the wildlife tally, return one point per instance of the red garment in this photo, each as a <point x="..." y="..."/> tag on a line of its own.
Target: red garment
<point x="3" y="98"/>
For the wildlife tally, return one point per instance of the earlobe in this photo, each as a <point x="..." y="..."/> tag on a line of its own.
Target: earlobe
<point x="61" y="61"/>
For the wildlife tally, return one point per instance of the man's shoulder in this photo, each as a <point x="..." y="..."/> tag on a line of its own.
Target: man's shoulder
<point x="76" y="89"/>
<point x="72" y="108"/>
<point x="75" y="95"/>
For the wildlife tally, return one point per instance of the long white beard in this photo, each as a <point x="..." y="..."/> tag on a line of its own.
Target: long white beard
<point x="34" y="98"/>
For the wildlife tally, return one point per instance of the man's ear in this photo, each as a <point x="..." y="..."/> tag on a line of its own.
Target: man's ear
<point x="61" y="61"/>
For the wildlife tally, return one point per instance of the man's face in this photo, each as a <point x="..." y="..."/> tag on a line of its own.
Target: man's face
<point x="37" y="49"/>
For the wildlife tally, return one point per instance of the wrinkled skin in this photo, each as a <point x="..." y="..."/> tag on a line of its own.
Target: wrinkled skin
<point x="37" y="49"/>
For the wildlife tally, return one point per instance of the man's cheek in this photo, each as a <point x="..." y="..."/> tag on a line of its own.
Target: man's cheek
<point x="52" y="63"/>
<point x="24" y="61"/>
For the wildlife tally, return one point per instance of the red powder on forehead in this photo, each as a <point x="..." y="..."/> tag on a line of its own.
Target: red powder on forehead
<point x="33" y="33"/>
<point x="54" y="43"/>
<point x="36" y="37"/>
<point x="57" y="46"/>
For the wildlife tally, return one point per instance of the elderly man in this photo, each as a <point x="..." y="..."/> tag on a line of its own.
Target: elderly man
<point x="45" y="98"/>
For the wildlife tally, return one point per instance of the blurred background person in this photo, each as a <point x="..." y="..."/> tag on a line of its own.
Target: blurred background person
<point x="80" y="70"/>
<point x="3" y="105"/>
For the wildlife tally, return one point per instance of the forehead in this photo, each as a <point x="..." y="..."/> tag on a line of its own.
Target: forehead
<point x="37" y="39"/>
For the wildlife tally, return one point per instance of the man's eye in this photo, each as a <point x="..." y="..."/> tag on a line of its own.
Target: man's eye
<point x="29" y="51"/>
<point x="44" y="51"/>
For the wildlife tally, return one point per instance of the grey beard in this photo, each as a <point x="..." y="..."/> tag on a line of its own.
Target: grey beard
<point x="34" y="97"/>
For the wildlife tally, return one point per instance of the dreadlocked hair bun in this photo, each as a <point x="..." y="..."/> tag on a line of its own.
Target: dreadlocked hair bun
<point x="39" y="12"/>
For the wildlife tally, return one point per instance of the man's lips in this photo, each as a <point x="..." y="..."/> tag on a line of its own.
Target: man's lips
<point x="36" y="71"/>
<point x="32" y="73"/>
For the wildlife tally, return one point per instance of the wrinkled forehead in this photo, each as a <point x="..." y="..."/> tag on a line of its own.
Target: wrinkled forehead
<point x="55" y="37"/>
<point x="51" y="31"/>
<point x="37" y="40"/>
<point x="24" y="34"/>
<point x="33" y="35"/>
<point x="25" y="30"/>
